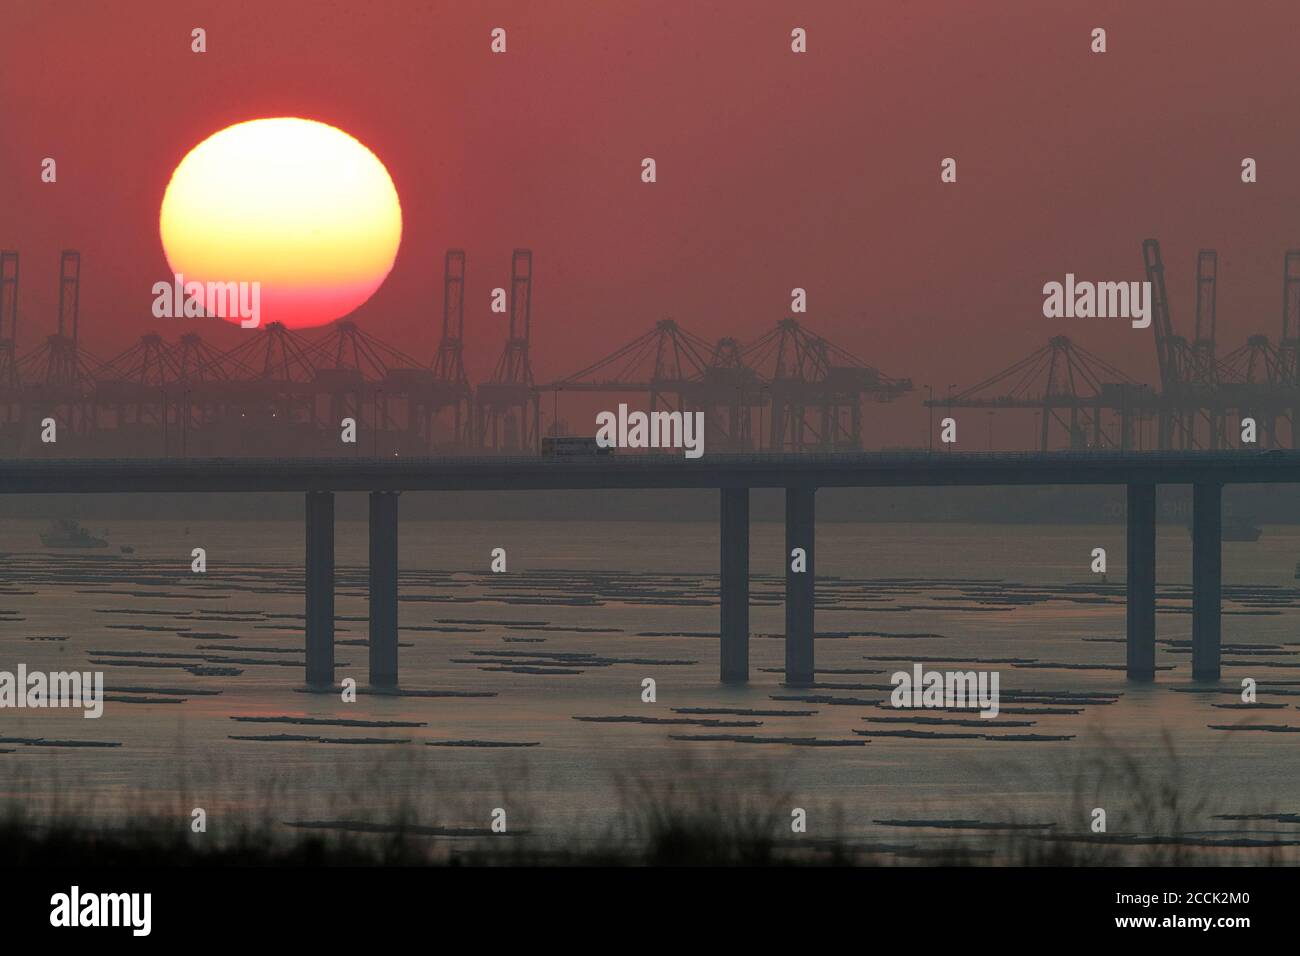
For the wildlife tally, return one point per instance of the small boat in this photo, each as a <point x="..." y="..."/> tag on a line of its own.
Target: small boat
<point x="127" y="549"/>
<point x="1240" y="529"/>
<point x="66" y="533"/>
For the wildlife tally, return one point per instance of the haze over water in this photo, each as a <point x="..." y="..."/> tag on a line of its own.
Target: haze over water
<point x="629" y="579"/>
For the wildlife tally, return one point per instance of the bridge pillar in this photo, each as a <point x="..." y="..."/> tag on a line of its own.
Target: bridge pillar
<point x="1141" y="602"/>
<point x="383" y="589"/>
<point x="1207" y="577"/>
<point x="800" y="587"/>
<point x="734" y="568"/>
<point x="320" y="587"/>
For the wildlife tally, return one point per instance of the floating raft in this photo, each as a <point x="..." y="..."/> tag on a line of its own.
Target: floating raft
<point x="170" y="691"/>
<point x="1266" y="728"/>
<point x="1270" y="817"/>
<point x="1255" y="706"/>
<point x="1015" y="711"/>
<point x="1050" y="665"/>
<point x="828" y="670"/>
<point x="826" y="699"/>
<point x="919" y="734"/>
<point x="1125" y="839"/>
<point x="396" y="692"/>
<point x="303" y="738"/>
<point x="410" y="829"/>
<point x="696" y="721"/>
<point x="952" y="721"/>
<point x="580" y="659"/>
<point x="963" y="825"/>
<point x="743" y="711"/>
<point x="330" y="721"/>
<point x="903" y="658"/>
<point x="749" y="739"/>
<point x="1272" y="688"/>
<point x="48" y="742"/>
<point x="482" y="743"/>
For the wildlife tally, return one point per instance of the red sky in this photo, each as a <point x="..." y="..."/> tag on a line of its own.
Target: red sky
<point x="775" y="170"/>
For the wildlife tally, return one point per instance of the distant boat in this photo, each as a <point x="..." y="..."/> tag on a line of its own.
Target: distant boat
<point x="1240" y="529"/>
<point x="1237" y="528"/>
<point x="66" y="533"/>
<point x="127" y="549"/>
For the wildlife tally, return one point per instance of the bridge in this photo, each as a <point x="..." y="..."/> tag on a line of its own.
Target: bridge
<point x="733" y="475"/>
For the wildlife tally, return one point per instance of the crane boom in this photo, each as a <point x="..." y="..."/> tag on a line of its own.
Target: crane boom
<point x="9" y="318"/>
<point x="69" y="292"/>
<point x="453" y="295"/>
<point x="1203" y="347"/>
<point x="1162" y="324"/>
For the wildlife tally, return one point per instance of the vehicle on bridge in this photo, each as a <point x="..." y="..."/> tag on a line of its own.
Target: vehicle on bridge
<point x="567" y="445"/>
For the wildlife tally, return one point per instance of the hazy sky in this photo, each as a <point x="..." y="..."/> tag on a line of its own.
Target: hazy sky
<point x="775" y="170"/>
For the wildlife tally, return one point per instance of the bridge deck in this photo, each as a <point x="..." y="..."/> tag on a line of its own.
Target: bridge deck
<point x="861" y="470"/>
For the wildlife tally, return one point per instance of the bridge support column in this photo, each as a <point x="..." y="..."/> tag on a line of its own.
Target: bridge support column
<point x="383" y="589"/>
<point x="1141" y="603"/>
<point x="320" y="587"/>
<point x="800" y="587"/>
<point x="734" y="568"/>
<point x="1207" y="578"/>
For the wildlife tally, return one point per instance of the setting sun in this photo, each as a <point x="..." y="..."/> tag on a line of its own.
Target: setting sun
<point x="300" y="207"/>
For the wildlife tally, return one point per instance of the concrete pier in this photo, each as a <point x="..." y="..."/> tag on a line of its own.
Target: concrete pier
<point x="800" y="587"/>
<point x="1207" y="579"/>
<point x="320" y="587"/>
<point x="1141" y="574"/>
<point x="383" y="589"/>
<point x="734" y="573"/>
